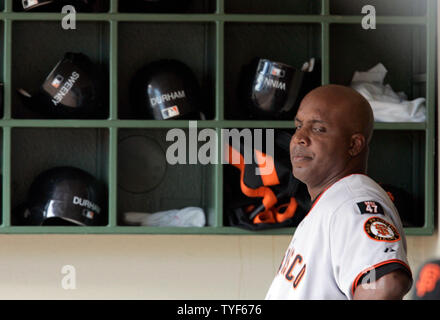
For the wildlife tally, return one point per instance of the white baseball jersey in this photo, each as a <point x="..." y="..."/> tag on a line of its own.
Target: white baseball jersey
<point x="351" y="236"/>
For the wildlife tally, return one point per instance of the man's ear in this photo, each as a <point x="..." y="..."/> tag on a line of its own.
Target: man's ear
<point x="357" y="144"/>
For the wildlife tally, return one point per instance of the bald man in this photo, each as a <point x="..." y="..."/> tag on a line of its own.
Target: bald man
<point x="351" y="244"/>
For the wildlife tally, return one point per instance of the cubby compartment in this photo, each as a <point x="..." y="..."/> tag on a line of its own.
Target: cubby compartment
<point x="39" y="45"/>
<point x="291" y="44"/>
<point x="2" y="86"/>
<point x="140" y="44"/>
<point x="81" y="6"/>
<point x="249" y="179"/>
<point x="383" y="8"/>
<point x="174" y="6"/>
<point x="273" y="7"/>
<point x="400" y="48"/>
<point x="35" y="150"/>
<point x="1" y="175"/>
<point x="397" y="162"/>
<point x="150" y="181"/>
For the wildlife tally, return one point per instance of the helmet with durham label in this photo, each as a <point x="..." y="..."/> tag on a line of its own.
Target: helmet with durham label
<point x="166" y="89"/>
<point x="65" y="196"/>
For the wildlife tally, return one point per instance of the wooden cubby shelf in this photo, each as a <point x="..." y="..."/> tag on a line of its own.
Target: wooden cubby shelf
<point x="215" y="38"/>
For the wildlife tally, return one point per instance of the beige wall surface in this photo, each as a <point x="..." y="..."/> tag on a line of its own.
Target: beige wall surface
<point x="139" y="267"/>
<point x="150" y="266"/>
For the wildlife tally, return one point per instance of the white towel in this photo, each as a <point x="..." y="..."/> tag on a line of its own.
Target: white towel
<point x="387" y="105"/>
<point x="186" y="217"/>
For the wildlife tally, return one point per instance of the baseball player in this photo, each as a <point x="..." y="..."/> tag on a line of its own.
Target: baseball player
<point x="351" y="243"/>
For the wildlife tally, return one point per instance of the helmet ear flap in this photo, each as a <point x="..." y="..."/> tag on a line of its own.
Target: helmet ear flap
<point x="33" y="216"/>
<point x="26" y="215"/>
<point x="33" y="102"/>
<point x="18" y="216"/>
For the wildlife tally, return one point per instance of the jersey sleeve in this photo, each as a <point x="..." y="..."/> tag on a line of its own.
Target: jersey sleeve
<point x="365" y="244"/>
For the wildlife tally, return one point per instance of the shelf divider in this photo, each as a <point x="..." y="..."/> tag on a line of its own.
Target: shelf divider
<point x="220" y="41"/>
<point x="113" y="70"/>
<point x="113" y="6"/>
<point x="7" y="65"/>
<point x="6" y="183"/>
<point x="8" y="6"/>
<point x="113" y="178"/>
<point x="325" y="7"/>
<point x="219" y="183"/>
<point x="213" y="17"/>
<point x="430" y="109"/>
<point x="325" y="53"/>
<point x="220" y="7"/>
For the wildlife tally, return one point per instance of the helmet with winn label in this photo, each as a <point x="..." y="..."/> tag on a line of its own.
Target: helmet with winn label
<point x="65" y="196"/>
<point x="273" y="90"/>
<point x="166" y="89"/>
<point x="73" y="89"/>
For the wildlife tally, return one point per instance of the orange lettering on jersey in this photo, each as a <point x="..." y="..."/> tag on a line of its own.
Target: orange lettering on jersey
<point x="428" y="278"/>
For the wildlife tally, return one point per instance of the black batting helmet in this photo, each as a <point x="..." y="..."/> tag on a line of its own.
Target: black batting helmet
<point x="65" y="195"/>
<point x="166" y="89"/>
<point x="73" y="89"/>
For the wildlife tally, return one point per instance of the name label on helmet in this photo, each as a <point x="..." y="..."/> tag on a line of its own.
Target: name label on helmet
<point x="86" y="203"/>
<point x="275" y="84"/>
<point x="170" y="96"/>
<point x="65" y="88"/>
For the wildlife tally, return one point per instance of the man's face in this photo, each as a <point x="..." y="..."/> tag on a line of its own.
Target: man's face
<point x="319" y="147"/>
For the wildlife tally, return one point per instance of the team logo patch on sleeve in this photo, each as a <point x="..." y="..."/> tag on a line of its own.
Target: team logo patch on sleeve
<point x="371" y="207"/>
<point x="379" y="229"/>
